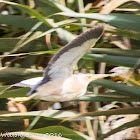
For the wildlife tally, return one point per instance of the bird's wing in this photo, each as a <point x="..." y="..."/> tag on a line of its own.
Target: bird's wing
<point x="61" y="65"/>
<point x="29" y="82"/>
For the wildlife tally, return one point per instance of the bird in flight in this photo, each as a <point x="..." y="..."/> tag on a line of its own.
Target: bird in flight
<point x="58" y="82"/>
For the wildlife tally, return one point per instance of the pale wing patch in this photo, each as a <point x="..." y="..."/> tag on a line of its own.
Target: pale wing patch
<point x="29" y="82"/>
<point x="63" y="66"/>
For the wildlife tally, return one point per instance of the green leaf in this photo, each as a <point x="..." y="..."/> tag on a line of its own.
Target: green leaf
<point x="133" y="91"/>
<point x="28" y="10"/>
<point x="17" y="124"/>
<point x="124" y="33"/>
<point x="45" y="7"/>
<point x="56" y="6"/>
<point x="22" y="22"/>
<point x="8" y="44"/>
<point x="36" y="136"/>
<point x="125" y="21"/>
<point x="66" y="22"/>
<point x="55" y="114"/>
<point x="21" y="92"/>
<point x="122" y="127"/>
<point x="12" y="74"/>
<point x="131" y="110"/>
<point x="28" y="61"/>
<point x="59" y="130"/>
<point x="106" y="98"/>
<point x="3" y="88"/>
<point x="114" y="60"/>
<point x="116" y="52"/>
<point x="11" y="125"/>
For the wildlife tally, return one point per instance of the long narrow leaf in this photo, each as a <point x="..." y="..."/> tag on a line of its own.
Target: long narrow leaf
<point x="106" y="98"/>
<point x="12" y="74"/>
<point x="29" y="10"/>
<point x="114" y="60"/>
<point x="60" y="131"/>
<point x="125" y="21"/>
<point x="119" y="87"/>
<point x="116" y="52"/>
<point x="57" y="114"/>
<point x="122" y="127"/>
<point x="35" y="136"/>
<point x="58" y="6"/>
<point x="22" y="22"/>
<point x="21" y="92"/>
<point x="131" y="110"/>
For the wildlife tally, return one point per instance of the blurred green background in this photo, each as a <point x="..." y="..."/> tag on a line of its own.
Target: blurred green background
<point x="32" y="31"/>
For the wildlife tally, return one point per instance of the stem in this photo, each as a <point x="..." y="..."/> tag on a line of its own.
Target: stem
<point x="97" y="106"/>
<point x="81" y="7"/>
<point x="90" y="129"/>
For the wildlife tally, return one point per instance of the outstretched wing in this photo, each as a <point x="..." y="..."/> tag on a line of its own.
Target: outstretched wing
<point x="61" y="65"/>
<point x="29" y="82"/>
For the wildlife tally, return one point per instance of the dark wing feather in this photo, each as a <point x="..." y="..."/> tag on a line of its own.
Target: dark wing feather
<point x="61" y="65"/>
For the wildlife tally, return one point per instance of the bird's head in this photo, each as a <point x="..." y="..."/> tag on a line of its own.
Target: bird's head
<point x="93" y="77"/>
<point x="88" y="77"/>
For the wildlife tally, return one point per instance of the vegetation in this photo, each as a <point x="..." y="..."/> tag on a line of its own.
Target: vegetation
<point x="32" y="31"/>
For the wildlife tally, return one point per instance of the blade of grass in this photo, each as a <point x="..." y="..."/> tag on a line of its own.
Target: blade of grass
<point x="22" y="22"/>
<point x="120" y="128"/>
<point x="114" y="60"/>
<point x="131" y="110"/>
<point x="132" y="91"/>
<point x="29" y="10"/>
<point x="106" y="98"/>
<point x="125" y="21"/>
<point x="116" y="52"/>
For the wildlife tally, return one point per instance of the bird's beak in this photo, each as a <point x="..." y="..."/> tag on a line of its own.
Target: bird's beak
<point x="99" y="76"/>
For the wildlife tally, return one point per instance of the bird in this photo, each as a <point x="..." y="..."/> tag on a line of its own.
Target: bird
<point x="59" y="83"/>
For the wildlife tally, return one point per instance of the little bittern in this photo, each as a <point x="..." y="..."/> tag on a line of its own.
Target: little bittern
<point x="59" y="83"/>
